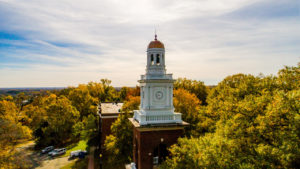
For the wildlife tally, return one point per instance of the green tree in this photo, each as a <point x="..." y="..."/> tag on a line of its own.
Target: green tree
<point x="118" y="145"/>
<point x="123" y="93"/>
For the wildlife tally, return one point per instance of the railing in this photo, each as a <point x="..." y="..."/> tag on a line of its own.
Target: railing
<point x="155" y="119"/>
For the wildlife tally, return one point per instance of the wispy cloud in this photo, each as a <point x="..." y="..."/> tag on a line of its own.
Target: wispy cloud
<point x="66" y="42"/>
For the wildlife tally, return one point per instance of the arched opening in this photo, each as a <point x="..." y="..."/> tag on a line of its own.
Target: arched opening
<point x="152" y="59"/>
<point x="157" y="59"/>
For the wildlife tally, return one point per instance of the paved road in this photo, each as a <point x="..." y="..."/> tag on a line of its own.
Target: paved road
<point x="54" y="163"/>
<point x="91" y="158"/>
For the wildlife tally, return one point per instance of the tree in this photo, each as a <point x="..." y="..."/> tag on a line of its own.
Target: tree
<point x="83" y="101"/>
<point x="89" y="128"/>
<point x="119" y="143"/>
<point x="34" y="115"/>
<point x="193" y="86"/>
<point x="289" y="78"/>
<point x="126" y="93"/>
<point x="133" y="103"/>
<point x="256" y="125"/>
<point x="61" y="117"/>
<point x="123" y="93"/>
<point x="11" y="132"/>
<point x="189" y="105"/>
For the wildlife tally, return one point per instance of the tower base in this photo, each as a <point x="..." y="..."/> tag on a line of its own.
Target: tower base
<point x="150" y="142"/>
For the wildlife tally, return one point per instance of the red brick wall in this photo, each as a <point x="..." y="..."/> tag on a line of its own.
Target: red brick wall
<point x="146" y="141"/>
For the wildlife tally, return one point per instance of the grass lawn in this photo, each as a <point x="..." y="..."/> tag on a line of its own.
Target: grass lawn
<point x="81" y="145"/>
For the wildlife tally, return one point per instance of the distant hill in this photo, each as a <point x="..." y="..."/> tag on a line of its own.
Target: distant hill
<point x="27" y="90"/>
<point x="15" y="91"/>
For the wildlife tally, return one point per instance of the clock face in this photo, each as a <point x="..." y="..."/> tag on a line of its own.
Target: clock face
<point x="159" y="95"/>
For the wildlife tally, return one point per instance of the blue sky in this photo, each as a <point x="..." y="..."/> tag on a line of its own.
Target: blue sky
<point x="61" y="43"/>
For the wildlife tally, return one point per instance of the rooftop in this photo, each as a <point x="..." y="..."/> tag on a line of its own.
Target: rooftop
<point x="108" y="108"/>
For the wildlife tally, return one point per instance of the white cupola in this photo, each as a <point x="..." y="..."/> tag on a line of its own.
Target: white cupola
<point x="156" y="58"/>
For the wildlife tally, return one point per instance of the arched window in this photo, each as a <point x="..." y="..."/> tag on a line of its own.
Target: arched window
<point x="152" y="59"/>
<point x="157" y="59"/>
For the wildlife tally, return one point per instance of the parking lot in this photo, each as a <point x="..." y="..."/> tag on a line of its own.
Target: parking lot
<point x="43" y="161"/>
<point x="53" y="163"/>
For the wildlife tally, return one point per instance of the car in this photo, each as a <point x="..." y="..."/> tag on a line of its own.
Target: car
<point x="76" y="153"/>
<point x="47" y="149"/>
<point x="57" y="152"/>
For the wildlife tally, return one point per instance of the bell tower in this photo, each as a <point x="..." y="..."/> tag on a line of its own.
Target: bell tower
<point x="155" y="125"/>
<point x="156" y="89"/>
<point x="156" y="58"/>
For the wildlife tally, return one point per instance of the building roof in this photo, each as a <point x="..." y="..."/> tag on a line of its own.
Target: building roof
<point x="156" y="44"/>
<point x="108" y="108"/>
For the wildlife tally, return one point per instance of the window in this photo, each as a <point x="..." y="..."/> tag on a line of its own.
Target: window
<point x="152" y="59"/>
<point x="157" y="59"/>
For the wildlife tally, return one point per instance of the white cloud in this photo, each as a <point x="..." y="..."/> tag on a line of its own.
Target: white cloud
<point x="70" y="41"/>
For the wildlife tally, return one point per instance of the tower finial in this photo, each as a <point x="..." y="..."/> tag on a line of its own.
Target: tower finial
<point x="155" y="36"/>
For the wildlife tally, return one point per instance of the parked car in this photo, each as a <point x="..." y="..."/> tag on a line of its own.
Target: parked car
<point x="47" y="149"/>
<point x="57" y="152"/>
<point x="76" y="153"/>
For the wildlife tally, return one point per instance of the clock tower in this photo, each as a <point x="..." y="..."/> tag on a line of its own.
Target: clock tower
<point x="155" y="126"/>
<point x="156" y="89"/>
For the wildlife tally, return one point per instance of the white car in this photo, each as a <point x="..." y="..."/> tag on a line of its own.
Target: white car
<point x="57" y="152"/>
<point x="47" y="149"/>
<point x="76" y="153"/>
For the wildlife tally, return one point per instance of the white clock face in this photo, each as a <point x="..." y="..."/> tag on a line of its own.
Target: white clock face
<point x="159" y="95"/>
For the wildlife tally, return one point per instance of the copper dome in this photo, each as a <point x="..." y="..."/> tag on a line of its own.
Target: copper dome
<point x="156" y="44"/>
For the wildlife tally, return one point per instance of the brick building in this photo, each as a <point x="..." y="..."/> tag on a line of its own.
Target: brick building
<point x="108" y="113"/>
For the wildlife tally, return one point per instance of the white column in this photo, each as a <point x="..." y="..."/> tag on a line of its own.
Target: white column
<point x="171" y="96"/>
<point x="142" y="97"/>
<point x="148" y="60"/>
<point x="168" y="94"/>
<point x="149" y="97"/>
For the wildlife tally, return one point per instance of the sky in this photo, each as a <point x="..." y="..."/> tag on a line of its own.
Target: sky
<point x="62" y="43"/>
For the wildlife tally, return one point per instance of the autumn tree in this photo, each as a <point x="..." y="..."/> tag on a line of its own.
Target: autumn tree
<point x="256" y="121"/>
<point x="11" y="129"/>
<point x="103" y="91"/>
<point x="193" y="86"/>
<point x="61" y="117"/>
<point x="189" y="105"/>
<point x="11" y="132"/>
<point x="127" y="92"/>
<point x="83" y="101"/>
<point x="131" y="104"/>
